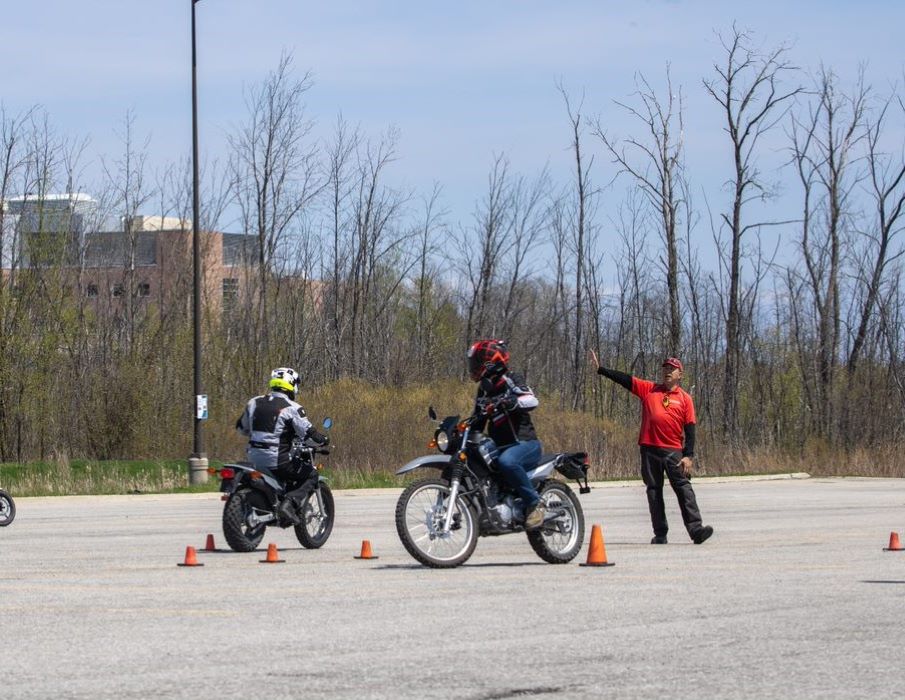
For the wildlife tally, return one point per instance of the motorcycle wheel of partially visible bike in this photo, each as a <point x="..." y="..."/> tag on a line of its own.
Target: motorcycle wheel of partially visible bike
<point x="317" y="518"/>
<point x="559" y="540"/>
<point x="420" y="514"/>
<point x="7" y="509"/>
<point x="239" y="535"/>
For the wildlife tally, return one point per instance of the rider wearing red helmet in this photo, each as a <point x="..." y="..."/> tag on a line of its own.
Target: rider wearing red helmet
<point x="507" y="400"/>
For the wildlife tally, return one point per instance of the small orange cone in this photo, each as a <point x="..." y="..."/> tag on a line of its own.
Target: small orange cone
<point x="273" y="556"/>
<point x="366" y="551"/>
<point x="597" y="550"/>
<point x="209" y="545"/>
<point x="191" y="559"/>
<point x="894" y="544"/>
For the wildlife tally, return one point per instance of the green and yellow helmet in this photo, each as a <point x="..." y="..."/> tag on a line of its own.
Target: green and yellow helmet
<point x="284" y="379"/>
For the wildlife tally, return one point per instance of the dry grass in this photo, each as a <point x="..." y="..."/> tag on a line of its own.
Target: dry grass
<point x="377" y="429"/>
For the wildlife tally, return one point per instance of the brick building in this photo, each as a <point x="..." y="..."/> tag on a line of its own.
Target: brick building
<point x="148" y="257"/>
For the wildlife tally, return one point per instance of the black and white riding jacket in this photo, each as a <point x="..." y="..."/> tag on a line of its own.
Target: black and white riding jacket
<point x="270" y="422"/>
<point x="512" y="423"/>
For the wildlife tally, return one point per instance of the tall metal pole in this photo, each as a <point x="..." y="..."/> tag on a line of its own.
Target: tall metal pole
<point x="198" y="459"/>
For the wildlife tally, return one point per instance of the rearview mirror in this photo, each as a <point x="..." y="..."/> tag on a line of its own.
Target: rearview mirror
<point x="431" y="413"/>
<point x="328" y="423"/>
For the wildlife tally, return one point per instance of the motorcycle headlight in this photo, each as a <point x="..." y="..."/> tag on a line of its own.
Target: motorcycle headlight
<point x="442" y="441"/>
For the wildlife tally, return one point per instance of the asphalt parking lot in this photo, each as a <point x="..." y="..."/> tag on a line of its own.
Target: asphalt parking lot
<point x="792" y="597"/>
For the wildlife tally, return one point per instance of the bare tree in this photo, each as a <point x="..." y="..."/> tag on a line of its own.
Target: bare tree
<point x="275" y="173"/>
<point x="748" y="89"/>
<point x="657" y="165"/>
<point x="824" y="145"/>
<point x="483" y="251"/>
<point x="340" y="190"/>
<point x="126" y="178"/>
<point x="886" y="178"/>
<point x="583" y="195"/>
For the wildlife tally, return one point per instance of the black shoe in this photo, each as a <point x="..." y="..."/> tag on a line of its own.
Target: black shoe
<point x="659" y="539"/>
<point x="701" y="535"/>
<point x="286" y="512"/>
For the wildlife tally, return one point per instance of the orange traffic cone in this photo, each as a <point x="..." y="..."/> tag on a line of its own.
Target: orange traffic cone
<point x="209" y="545"/>
<point x="366" y="551"/>
<point x="894" y="544"/>
<point x="273" y="556"/>
<point x="191" y="558"/>
<point x="597" y="550"/>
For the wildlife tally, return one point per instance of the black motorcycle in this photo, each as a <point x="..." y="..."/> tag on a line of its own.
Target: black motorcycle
<point x="253" y="495"/>
<point x="7" y="508"/>
<point x="439" y="520"/>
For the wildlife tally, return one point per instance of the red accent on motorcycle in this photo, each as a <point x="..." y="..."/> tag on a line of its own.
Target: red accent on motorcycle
<point x="227" y="473"/>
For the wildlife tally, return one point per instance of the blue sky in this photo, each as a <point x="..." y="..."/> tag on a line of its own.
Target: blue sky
<point x="461" y="81"/>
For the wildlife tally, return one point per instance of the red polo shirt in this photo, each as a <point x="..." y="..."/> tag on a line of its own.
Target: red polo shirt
<point x="664" y="414"/>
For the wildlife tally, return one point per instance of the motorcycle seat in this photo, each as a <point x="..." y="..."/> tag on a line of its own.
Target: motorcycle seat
<point x="547" y="458"/>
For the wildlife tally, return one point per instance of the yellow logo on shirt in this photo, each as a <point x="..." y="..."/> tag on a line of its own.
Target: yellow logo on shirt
<point x="666" y="401"/>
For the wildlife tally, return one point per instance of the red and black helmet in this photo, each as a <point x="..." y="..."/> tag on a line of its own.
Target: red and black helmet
<point x="487" y="357"/>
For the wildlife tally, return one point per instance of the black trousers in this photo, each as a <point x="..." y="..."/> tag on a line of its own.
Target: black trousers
<point x="300" y="480"/>
<point x="655" y="462"/>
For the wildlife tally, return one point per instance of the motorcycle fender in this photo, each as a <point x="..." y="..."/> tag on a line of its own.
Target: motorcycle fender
<point x="432" y="461"/>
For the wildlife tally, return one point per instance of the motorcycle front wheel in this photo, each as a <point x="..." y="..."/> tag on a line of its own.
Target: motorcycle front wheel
<point x="240" y="536"/>
<point x="558" y="540"/>
<point x="7" y="509"/>
<point x="317" y="518"/>
<point x="420" y="515"/>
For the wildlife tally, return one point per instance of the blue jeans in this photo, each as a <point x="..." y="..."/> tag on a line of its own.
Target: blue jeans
<point x="514" y="462"/>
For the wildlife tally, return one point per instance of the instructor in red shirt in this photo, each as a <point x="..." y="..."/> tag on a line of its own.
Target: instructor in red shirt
<point x="667" y="445"/>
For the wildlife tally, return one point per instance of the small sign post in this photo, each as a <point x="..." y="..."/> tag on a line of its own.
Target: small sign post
<point x="201" y="406"/>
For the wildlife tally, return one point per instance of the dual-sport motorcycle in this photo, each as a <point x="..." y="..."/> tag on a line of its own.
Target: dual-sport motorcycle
<point x="440" y="519"/>
<point x="7" y="508"/>
<point x="254" y="494"/>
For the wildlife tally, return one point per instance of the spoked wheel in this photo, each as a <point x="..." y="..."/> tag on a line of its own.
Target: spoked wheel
<point x="559" y="539"/>
<point x="420" y="515"/>
<point x="317" y="518"/>
<point x="241" y="532"/>
<point x="7" y="509"/>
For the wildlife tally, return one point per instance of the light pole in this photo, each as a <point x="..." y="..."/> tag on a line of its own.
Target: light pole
<point x="198" y="458"/>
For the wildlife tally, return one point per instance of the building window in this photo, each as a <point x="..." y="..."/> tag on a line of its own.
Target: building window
<point x="118" y="290"/>
<point x="230" y="291"/>
<point x="91" y="291"/>
<point x="144" y="289"/>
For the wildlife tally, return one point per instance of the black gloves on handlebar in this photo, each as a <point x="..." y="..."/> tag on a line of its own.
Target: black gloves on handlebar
<point x="318" y="438"/>
<point x="507" y="402"/>
<point x="489" y="405"/>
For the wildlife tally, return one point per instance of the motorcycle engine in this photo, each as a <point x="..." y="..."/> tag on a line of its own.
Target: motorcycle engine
<point x="506" y="510"/>
<point x="503" y="512"/>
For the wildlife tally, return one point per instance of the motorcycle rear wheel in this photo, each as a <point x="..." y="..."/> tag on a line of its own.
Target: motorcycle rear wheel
<point x="7" y="509"/>
<point x="317" y="522"/>
<point x="420" y="513"/>
<point x="239" y="536"/>
<point x="558" y="541"/>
